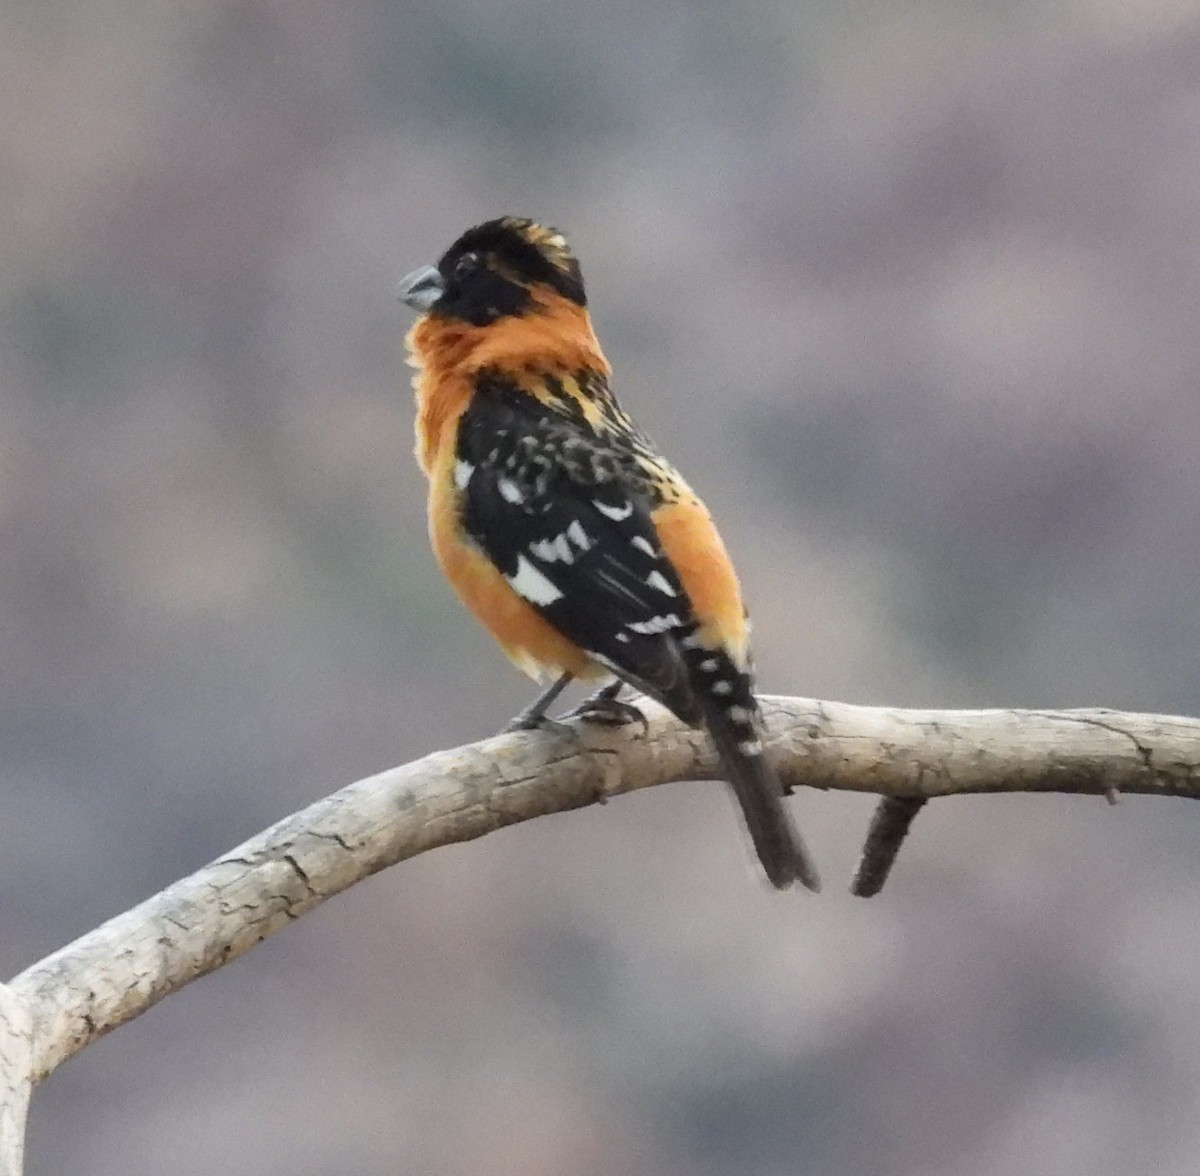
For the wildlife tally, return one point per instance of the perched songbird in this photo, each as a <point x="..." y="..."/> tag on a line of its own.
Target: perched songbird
<point x="559" y="524"/>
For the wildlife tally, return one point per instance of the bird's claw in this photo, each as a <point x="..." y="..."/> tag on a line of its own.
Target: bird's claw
<point x="523" y="722"/>
<point x="608" y="711"/>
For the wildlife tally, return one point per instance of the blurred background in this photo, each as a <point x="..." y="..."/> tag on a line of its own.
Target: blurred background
<point x="909" y="289"/>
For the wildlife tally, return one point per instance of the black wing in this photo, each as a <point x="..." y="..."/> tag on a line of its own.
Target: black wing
<point x="564" y="515"/>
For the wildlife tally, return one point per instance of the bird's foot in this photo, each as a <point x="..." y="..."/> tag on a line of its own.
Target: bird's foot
<point x="533" y="717"/>
<point x="606" y="708"/>
<point x="535" y="722"/>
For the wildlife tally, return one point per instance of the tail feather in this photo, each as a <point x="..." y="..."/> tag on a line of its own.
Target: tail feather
<point x="708" y="689"/>
<point x="776" y="839"/>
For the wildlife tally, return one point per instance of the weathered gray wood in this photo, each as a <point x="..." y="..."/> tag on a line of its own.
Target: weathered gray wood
<point x="952" y="753"/>
<point x="16" y="1080"/>
<point x="117" y="971"/>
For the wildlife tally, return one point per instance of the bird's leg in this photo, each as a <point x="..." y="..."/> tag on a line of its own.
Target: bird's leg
<point x="533" y="717"/>
<point x="605" y="707"/>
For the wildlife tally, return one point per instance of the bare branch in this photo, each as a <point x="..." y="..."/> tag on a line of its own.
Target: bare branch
<point x="200" y="923"/>
<point x="16" y="1080"/>
<point x="889" y="827"/>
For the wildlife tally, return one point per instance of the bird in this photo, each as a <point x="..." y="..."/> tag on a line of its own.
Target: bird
<point x="560" y="524"/>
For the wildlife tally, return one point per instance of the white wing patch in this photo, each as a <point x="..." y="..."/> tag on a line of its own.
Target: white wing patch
<point x="644" y="544"/>
<point x="660" y="624"/>
<point x="618" y="514"/>
<point x="550" y="550"/>
<point x="578" y="535"/>
<point x="510" y="491"/>
<point x="528" y="582"/>
<point x="657" y="580"/>
<point x="560" y="549"/>
<point x="462" y="474"/>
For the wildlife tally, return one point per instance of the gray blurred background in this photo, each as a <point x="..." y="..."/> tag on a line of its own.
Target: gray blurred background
<point x="910" y="291"/>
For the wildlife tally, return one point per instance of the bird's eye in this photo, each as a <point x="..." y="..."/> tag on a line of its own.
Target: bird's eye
<point x="466" y="265"/>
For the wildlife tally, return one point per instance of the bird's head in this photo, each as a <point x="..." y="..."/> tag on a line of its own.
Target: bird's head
<point x="500" y="268"/>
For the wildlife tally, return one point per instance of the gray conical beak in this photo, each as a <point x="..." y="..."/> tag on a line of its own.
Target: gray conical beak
<point x="422" y="288"/>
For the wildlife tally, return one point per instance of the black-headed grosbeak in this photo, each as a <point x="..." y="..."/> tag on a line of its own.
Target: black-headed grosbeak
<point x="558" y="523"/>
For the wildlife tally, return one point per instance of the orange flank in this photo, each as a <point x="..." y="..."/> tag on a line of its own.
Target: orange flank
<point x="534" y="645"/>
<point x="452" y="353"/>
<point x="692" y="544"/>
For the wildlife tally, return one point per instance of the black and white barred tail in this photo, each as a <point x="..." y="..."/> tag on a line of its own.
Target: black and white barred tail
<point x="734" y="723"/>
